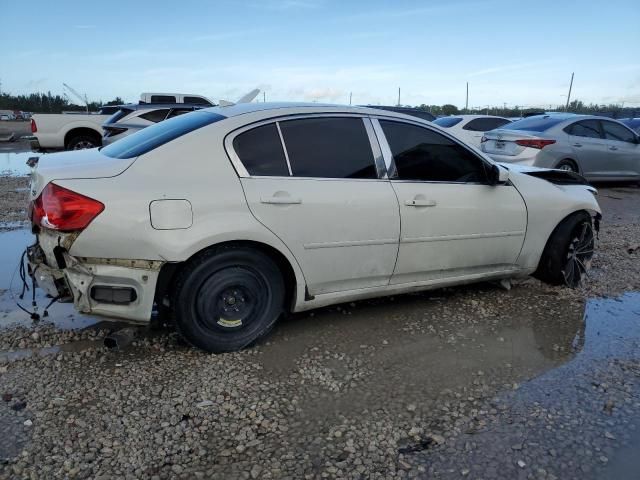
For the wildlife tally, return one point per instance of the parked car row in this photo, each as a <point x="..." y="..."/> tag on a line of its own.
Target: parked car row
<point x="288" y="207"/>
<point x="599" y="148"/>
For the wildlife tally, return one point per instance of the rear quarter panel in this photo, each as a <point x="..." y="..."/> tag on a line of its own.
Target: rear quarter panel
<point x="194" y="167"/>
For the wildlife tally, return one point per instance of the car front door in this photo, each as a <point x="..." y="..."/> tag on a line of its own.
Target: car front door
<point x="454" y="224"/>
<point x="588" y="145"/>
<point x="623" y="150"/>
<point x="318" y="185"/>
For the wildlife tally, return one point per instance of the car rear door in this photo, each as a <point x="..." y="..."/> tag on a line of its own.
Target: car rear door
<point x="454" y="223"/>
<point x="623" y="151"/>
<point x="588" y="145"/>
<point x="319" y="184"/>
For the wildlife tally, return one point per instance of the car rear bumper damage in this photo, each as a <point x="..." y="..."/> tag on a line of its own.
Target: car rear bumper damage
<point x="119" y="288"/>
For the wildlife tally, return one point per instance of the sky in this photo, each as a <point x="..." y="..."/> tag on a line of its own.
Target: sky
<point x="518" y="53"/>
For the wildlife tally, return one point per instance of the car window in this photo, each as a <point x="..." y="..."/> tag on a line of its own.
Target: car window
<point x="260" y="151"/>
<point x="485" y="124"/>
<point x="613" y="131"/>
<point x="422" y="154"/>
<point x="447" y="122"/>
<point x="539" y="123"/>
<point x="155" y="116"/>
<point x="585" y="128"/>
<point x="152" y="137"/>
<point x="197" y="101"/>
<point x="119" y="115"/>
<point x="328" y="148"/>
<point x="179" y="111"/>
<point x="163" y="99"/>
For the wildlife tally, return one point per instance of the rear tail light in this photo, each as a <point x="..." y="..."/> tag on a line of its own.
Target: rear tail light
<point x="535" y="143"/>
<point x="34" y="127"/>
<point x="61" y="209"/>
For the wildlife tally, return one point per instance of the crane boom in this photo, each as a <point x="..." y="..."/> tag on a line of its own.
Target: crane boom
<point x="77" y="95"/>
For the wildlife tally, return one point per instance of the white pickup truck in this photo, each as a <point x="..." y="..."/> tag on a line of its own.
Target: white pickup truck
<point x="68" y="131"/>
<point x="76" y="131"/>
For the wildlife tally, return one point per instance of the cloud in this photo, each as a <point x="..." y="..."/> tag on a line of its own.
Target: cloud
<point x="323" y="93"/>
<point x="417" y="12"/>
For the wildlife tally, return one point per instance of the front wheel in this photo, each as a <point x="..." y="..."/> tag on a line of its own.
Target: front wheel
<point x="567" y="256"/>
<point x="226" y="299"/>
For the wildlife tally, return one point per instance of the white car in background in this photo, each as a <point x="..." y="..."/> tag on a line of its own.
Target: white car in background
<point x="229" y="216"/>
<point x="470" y="128"/>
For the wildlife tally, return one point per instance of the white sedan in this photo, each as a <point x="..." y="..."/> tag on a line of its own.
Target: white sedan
<point x="229" y="216"/>
<point x="470" y="128"/>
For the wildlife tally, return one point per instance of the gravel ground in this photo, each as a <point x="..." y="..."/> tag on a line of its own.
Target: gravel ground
<point x="473" y="382"/>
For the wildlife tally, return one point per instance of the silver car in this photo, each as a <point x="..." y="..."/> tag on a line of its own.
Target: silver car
<point x="599" y="148"/>
<point x="132" y="118"/>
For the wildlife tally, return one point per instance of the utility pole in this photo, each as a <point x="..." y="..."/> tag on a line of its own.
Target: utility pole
<point x="466" y="103"/>
<point x="350" y="96"/>
<point x="398" y="96"/>
<point x="264" y="97"/>
<point x="569" y="95"/>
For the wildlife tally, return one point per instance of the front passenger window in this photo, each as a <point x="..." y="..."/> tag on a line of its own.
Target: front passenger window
<point x="422" y="154"/>
<point x="613" y="131"/>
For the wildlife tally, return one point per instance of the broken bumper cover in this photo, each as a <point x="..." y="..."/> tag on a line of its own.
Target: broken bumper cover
<point x="78" y="279"/>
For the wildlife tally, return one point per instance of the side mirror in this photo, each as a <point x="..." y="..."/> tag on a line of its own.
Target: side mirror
<point x="498" y="175"/>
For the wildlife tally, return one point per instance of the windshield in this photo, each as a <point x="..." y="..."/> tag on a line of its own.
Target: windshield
<point x="152" y="137"/>
<point x="534" y="124"/>
<point x="447" y="122"/>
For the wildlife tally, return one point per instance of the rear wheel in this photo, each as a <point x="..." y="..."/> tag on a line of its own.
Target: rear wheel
<point x="567" y="256"/>
<point x="226" y="299"/>
<point x="82" y="142"/>
<point x="568" y="166"/>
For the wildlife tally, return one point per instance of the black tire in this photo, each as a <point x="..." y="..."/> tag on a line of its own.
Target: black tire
<point x="227" y="298"/>
<point x="82" y="142"/>
<point x="569" y="165"/>
<point x="567" y="256"/>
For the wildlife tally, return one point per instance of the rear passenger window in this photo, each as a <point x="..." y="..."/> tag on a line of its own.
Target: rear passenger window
<point x="484" y="124"/>
<point x="155" y="116"/>
<point x="422" y="154"/>
<point x="196" y="101"/>
<point x="328" y="148"/>
<point x="586" y="128"/>
<point x="163" y="99"/>
<point x="260" y="151"/>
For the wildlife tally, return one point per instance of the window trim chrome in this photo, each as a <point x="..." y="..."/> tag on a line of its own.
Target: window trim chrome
<point x="284" y="149"/>
<point x="243" y="172"/>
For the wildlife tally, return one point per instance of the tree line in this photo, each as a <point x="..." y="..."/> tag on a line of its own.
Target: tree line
<point x="576" y="106"/>
<point x="48" y="103"/>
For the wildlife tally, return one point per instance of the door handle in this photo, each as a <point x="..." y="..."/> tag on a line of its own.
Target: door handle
<point x="612" y="147"/>
<point x="281" y="200"/>
<point x="577" y="144"/>
<point x="418" y="202"/>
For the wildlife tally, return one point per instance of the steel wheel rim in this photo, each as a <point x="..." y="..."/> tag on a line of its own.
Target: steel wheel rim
<point x="83" y="145"/>
<point x="579" y="254"/>
<point x="229" y="300"/>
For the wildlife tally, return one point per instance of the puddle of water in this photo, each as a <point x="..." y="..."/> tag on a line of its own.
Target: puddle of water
<point x="12" y="163"/>
<point x="63" y="316"/>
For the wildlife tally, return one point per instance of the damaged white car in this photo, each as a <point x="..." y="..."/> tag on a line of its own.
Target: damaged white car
<point x="229" y="216"/>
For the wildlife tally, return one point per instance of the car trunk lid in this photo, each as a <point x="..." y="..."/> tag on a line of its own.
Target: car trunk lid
<point x="89" y="163"/>
<point x="503" y="142"/>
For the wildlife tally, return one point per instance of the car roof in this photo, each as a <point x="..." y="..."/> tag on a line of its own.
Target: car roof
<point x="284" y="108"/>
<point x="155" y="106"/>
<point x="471" y="117"/>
